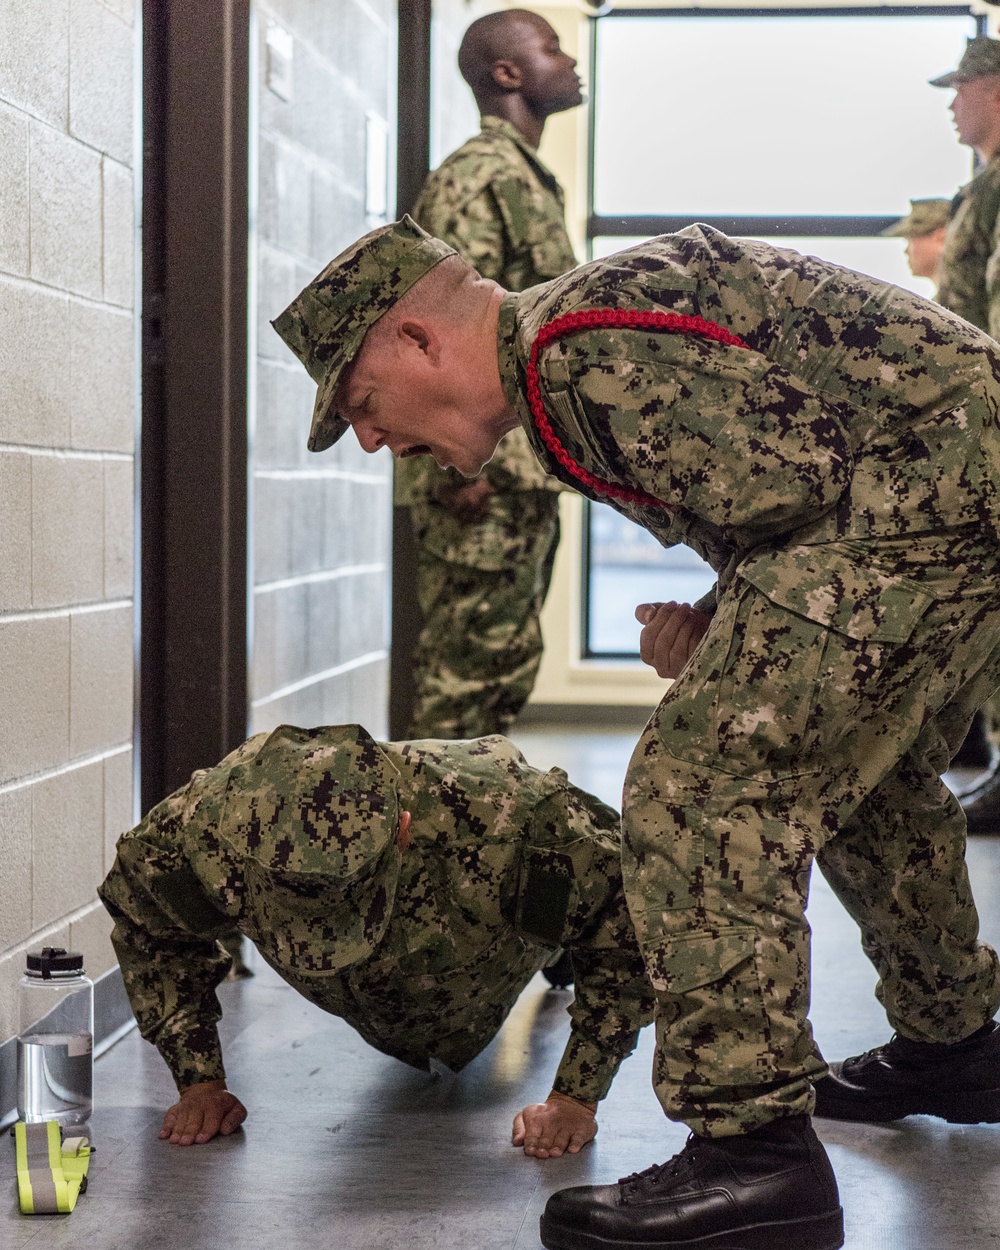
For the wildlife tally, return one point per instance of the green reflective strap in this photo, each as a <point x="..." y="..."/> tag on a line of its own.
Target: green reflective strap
<point x="51" y="1173"/>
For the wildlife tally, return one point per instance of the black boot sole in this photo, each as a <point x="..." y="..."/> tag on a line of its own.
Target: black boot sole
<point x="820" y="1232"/>
<point x="977" y="1107"/>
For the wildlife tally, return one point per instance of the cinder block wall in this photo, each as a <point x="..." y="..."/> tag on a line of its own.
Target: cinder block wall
<point x="66" y="444"/>
<point x="320" y="522"/>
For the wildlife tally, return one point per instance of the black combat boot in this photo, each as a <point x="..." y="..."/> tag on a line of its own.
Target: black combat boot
<point x="771" y="1188"/>
<point x="559" y="973"/>
<point x="981" y="803"/>
<point x="960" y="1083"/>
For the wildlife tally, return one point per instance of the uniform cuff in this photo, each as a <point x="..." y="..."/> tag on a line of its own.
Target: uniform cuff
<point x="194" y="1056"/>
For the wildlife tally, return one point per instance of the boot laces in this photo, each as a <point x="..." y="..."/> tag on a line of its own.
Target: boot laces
<point x="659" y="1172"/>
<point x="876" y="1052"/>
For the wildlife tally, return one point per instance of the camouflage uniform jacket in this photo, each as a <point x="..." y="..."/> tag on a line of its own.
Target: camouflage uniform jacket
<point x="969" y="271"/>
<point x="855" y="411"/>
<point x="496" y="203"/>
<point x="505" y="864"/>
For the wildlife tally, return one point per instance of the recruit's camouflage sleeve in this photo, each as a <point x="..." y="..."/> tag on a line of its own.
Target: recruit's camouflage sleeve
<point x="612" y="998"/>
<point x="165" y="937"/>
<point x="969" y="271"/>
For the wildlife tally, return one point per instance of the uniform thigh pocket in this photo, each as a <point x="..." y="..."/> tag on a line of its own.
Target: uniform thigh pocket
<point x="708" y="988"/>
<point x="767" y="685"/>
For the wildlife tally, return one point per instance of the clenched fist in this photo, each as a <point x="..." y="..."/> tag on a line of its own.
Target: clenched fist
<point x="671" y="634"/>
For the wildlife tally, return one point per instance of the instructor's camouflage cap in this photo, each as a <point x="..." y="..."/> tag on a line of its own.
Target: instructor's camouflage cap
<point x="327" y="322"/>
<point x="981" y="59"/>
<point x="313" y="814"/>
<point x="924" y="217"/>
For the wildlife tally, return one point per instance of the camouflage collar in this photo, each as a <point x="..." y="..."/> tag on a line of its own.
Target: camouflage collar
<point x="507" y="354"/>
<point x="500" y="126"/>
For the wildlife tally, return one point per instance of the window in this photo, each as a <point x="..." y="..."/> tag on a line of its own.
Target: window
<point x="810" y="128"/>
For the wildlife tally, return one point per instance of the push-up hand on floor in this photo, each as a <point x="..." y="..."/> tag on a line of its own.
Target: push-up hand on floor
<point x="411" y="888"/>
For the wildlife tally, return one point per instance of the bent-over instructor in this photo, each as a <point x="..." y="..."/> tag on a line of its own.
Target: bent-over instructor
<point x="830" y="445"/>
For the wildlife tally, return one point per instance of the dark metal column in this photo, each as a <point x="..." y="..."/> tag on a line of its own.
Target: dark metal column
<point x="413" y="164"/>
<point x="193" y="684"/>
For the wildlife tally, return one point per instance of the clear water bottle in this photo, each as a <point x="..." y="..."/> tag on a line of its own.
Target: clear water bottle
<point x="55" y="1047"/>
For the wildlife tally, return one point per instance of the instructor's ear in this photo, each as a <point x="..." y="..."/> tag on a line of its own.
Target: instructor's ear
<point x="420" y="336"/>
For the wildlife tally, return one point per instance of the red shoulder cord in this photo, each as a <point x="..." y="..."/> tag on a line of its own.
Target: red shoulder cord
<point x="609" y="319"/>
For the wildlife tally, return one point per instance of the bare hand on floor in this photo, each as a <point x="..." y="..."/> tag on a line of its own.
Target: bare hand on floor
<point x="559" y="1125"/>
<point x="671" y="634"/>
<point x="202" y="1112"/>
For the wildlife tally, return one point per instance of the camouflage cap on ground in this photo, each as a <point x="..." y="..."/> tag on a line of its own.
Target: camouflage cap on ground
<point x="313" y="816"/>
<point x="981" y="59"/>
<point x="326" y="323"/>
<point x="924" y="217"/>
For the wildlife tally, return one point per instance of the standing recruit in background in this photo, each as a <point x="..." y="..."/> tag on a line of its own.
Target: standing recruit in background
<point x="969" y="284"/>
<point x="486" y="548"/>
<point x="924" y="228"/>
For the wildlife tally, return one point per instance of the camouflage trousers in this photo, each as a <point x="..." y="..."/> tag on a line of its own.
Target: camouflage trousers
<point x="787" y="739"/>
<point x="480" y="646"/>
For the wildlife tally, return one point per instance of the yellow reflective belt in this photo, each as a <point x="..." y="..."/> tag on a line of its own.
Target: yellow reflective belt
<point x="51" y="1173"/>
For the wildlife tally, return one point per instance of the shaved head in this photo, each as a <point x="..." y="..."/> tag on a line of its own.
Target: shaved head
<point x="493" y="38"/>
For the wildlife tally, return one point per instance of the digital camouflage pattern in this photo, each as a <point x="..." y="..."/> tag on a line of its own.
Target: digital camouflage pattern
<point x="969" y="269"/>
<point x="478" y="653"/>
<point x="327" y="321"/>
<point x="481" y="586"/>
<point x="838" y="472"/>
<point x="924" y="217"/>
<point x="293" y="838"/>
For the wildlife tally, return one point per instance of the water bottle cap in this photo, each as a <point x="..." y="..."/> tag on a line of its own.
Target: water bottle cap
<point x="52" y="959"/>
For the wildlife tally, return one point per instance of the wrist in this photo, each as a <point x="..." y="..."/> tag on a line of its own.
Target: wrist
<point x="203" y="1087"/>
<point x="555" y="1096"/>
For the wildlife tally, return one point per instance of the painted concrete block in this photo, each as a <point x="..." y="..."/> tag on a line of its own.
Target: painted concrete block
<point x="15" y="855"/>
<point x="101" y="377"/>
<point x="65" y="212"/>
<point x="67" y="511"/>
<point x="119" y="535"/>
<point x="34" y="695"/>
<point x="14" y="245"/>
<point x="67" y="840"/>
<point x="119" y="234"/>
<point x="34" y="57"/>
<point x="15" y="526"/>
<point x="34" y="332"/>
<point x="101" y="55"/>
<point x="119" y="810"/>
<point x="101" y="667"/>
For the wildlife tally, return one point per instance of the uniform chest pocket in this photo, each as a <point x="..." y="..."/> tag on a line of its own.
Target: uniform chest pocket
<point x="832" y="585"/>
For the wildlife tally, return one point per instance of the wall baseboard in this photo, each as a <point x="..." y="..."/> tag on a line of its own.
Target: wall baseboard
<point x="585" y="715"/>
<point x="112" y="1020"/>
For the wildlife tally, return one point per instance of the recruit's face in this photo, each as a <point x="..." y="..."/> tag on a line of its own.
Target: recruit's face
<point x="923" y="253"/>
<point x="976" y="110"/>
<point x="408" y="390"/>
<point x="549" y="83"/>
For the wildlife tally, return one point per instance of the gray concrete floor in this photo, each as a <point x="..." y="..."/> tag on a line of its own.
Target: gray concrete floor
<point x="348" y="1150"/>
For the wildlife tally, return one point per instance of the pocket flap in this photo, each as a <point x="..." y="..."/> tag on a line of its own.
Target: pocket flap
<point x="829" y="584"/>
<point x="690" y="960"/>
